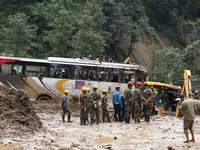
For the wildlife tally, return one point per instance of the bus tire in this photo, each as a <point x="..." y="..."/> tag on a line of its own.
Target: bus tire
<point x="44" y="97"/>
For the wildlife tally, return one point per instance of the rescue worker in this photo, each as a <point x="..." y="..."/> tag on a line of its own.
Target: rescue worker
<point x="147" y="96"/>
<point x="64" y="106"/>
<point x="128" y="100"/>
<point x="117" y="104"/>
<point x="104" y="106"/>
<point x="95" y="99"/>
<point x="83" y="106"/>
<point x="137" y="102"/>
<point x="196" y="95"/>
<point x="89" y="106"/>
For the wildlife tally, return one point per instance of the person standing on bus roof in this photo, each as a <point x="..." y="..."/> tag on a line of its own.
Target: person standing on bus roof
<point x="128" y="100"/>
<point x="104" y="106"/>
<point x="137" y="102"/>
<point x="96" y="98"/>
<point x="117" y="104"/>
<point x="83" y="107"/>
<point x="147" y="96"/>
<point x="64" y="106"/>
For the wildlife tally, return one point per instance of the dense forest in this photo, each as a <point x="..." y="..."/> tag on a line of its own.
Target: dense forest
<point x="65" y="28"/>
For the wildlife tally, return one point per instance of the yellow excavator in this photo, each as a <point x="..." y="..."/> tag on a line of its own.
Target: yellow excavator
<point x="187" y="89"/>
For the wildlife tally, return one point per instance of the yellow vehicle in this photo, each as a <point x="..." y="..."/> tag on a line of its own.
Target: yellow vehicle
<point x="164" y="97"/>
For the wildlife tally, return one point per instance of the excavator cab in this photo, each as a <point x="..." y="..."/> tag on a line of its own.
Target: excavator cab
<point x="164" y="97"/>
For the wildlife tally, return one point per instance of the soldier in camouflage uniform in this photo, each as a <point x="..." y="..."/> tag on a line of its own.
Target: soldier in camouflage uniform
<point x="137" y="102"/>
<point x="95" y="99"/>
<point x="147" y="96"/>
<point x="104" y="106"/>
<point x="89" y="106"/>
<point x="83" y="106"/>
<point x="128" y="100"/>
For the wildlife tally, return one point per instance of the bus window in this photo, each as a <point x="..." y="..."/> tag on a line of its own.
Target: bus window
<point x="17" y="69"/>
<point x="84" y="73"/>
<point x="60" y="71"/>
<point x="103" y="74"/>
<point x="128" y="76"/>
<point x="115" y="75"/>
<point x="6" y="68"/>
<point x="37" y="71"/>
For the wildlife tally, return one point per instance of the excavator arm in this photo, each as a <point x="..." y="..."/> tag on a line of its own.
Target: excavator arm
<point x="187" y="87"/>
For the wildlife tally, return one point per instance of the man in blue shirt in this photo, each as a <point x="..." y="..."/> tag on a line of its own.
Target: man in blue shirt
<point x="117" y="104"/>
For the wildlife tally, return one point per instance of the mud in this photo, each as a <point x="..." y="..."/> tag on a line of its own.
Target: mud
<point x="17" y="116"/>
<point x="161" y="132"/>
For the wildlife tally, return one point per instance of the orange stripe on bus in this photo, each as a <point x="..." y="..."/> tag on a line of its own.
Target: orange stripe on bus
<point x="25" y="79"/>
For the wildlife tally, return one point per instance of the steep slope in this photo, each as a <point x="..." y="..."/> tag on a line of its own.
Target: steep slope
<point x="140" y="55"/>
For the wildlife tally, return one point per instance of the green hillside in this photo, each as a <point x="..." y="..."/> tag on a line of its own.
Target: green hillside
<point x="65" y="28"/>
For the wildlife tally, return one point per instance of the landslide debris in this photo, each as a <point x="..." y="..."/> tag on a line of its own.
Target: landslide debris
<point x="17" y="116"/>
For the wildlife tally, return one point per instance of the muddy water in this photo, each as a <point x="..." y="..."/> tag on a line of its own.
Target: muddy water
<point x="9" y="147"/>
<point x="161" y="132"/>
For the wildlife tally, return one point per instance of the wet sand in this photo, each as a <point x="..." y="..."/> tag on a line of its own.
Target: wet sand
<point x="161" y="132"/>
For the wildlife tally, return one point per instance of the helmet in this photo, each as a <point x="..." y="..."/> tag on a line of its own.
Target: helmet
<point x="130" y="83"/>
<point x="84" y="89"/>
<point x="66" y="92"/>
<point x="195" y="92"/>
<point x="95" y="87"/>
<point x="105" y="91"/>
<point x="150" y="84"/>
<point x="154" y="89"/>
<point x="88" y="89"/>
<point x="138" y="83"/>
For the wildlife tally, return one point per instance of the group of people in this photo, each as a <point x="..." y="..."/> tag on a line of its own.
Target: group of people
<point x="89" y="105"/>
<point x="88" y="102"/>
<point x="98" y="58"/>
<point x="125" y="103"/>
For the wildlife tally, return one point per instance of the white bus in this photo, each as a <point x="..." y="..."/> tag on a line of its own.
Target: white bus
<point x="47" y="79"/>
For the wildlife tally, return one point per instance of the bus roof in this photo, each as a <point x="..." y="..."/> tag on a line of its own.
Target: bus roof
<point x="59" y="60"/>
<point x="165" y="85"/>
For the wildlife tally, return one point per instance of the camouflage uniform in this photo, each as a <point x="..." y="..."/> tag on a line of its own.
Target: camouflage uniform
<point x="83" y="113"/>
<point x="89" y="108"/>
<point x="128" y="100"/>
<point x="137" y="104"/>
<point x="96" y="96"/>
<point x="105" y="112"/>
<point x="148" y="93"/>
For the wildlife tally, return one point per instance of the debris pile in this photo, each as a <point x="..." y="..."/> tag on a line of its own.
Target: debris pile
<point x="17" y="118"/>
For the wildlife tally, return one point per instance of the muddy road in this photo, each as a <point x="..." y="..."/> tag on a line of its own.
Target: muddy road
<point x="161" y="132"/>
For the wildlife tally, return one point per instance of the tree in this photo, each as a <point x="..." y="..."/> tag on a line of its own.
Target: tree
<point x="19" y="34"/>
<point x="187" y="28"/>
<point x="60" y="37"/>
<point x="87" y="40"/>
<point x="195" y="33"/>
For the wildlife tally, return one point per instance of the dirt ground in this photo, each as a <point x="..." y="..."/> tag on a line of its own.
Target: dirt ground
<point x="161" y="132"/>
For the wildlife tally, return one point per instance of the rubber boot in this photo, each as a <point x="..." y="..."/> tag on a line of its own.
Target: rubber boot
<point x="97" y="120"/>
<point x="148" y="119"/>
<point x="63" y="119"/>
<point x="68" y="118"/>
<point x="129" y="119"/>
<point x="103" y="120"/>
<point x="145" y="118"/>
<point x="116" y="120"/>
<point x="138" y="119"/>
